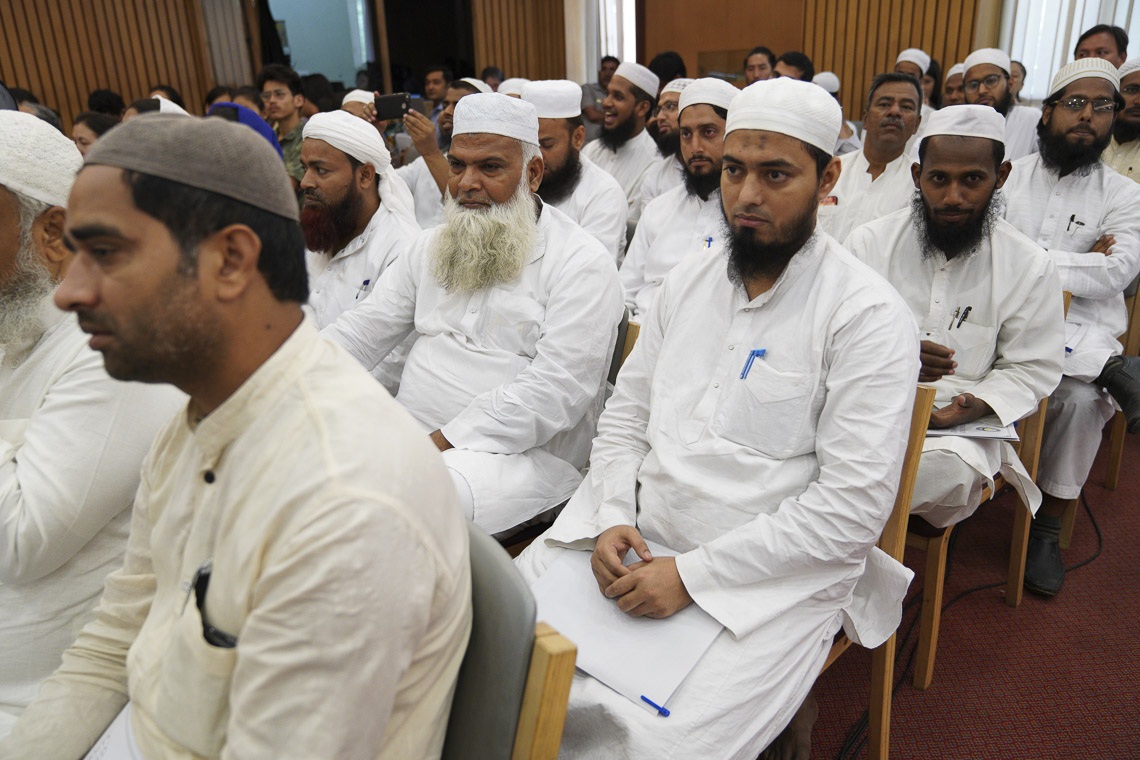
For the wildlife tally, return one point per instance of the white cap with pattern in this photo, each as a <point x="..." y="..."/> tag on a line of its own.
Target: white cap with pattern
<point x="496" y="114"/>
<point x="789" y="107"/>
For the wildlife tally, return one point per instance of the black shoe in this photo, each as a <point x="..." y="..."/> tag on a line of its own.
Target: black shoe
<point x="1121" y="378"/>
<point x="1044" y="570"/>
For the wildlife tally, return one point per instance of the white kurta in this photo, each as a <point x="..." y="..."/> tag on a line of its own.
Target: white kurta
<point x="341" y="283"/>
<point x="1009" y="347"/>
<point x="425" y="191"/>
<point x="1124" y="158"/>
<point x="1021" y="132"/>
<point x="340" y="564"/>
<point x="513" y="375"/>
<point x="1066" y="216"/>
<point x="627" y="164"/>
<point x="598" y="206"/>
<point x="664" y="175"/>
<point x="856" y="200"/>
<point x="71" y="444"/>
<point x="774" y="489"/>
<point x="674" y="225"/>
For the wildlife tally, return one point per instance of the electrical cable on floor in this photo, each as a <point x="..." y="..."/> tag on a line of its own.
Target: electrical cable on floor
<point x="857" y="735"/>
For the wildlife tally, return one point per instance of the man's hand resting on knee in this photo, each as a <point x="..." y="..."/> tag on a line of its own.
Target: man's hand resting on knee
<point x="965" y="407"/>
<point x="650" y="588"/>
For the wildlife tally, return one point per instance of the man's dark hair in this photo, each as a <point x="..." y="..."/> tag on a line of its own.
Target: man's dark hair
<point x="23" y="96"/>
<point x="573" y="122"/>
<point x="447" y="75"/>
<point x="106" y="101"/>
<point x="43" y="113"/>
<point x="251" y="93"/>
<point x="668" y="66"/>
<point x="1117" y="33"/>
<point x="800" y="61"/>
<point x="893" y="76"/>
<point x="460" y="84"/>
<point x="99" y="123"/>
<point x="934" y="71"/>
<point x="192" y="215"/>
<point x="145" y="105"/>
<point x="218" y="92"/>
<point x="492" y="71"/>
<point x="317" y="88"/>
<point x="761" y="50"/>
<point x="821" y="157"/>
<point x="171" y="94"/>
<point x="998" y="152"/>
<point x="610" y="59"/>
<point x="278" y="72"/>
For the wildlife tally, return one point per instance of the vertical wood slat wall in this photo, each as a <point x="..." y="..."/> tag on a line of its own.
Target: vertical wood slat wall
<point x="525" y="38"/>
<point x="227" y="36"/>
<point x="858" y="39"/>
<point x="61" y="50"/>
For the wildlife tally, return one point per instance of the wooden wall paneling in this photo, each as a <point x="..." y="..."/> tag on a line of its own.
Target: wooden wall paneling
<point x="525" y="39"/>
<point x="12" y="65"/>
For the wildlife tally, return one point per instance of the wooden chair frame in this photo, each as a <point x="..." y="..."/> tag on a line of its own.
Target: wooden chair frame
<point x="546" y="697"/>
<point x="893" y="542"/>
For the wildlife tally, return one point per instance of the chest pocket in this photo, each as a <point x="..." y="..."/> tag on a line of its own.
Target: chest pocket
<point x="770" y="411"/>
<point x="1079" y="237"/>
<point x="513" y="323"/>
<point x="975" y="347"/>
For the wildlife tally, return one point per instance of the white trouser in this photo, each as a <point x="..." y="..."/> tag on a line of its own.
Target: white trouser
<point x="946" y="490"/>
<point x="1076" y="416"/>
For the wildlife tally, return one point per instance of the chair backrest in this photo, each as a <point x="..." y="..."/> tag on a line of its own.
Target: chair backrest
<point x="893" y="540"/>
<point x="631" y="333"/>
<point x="619" y="348"/>
<point x="489" y="693"/>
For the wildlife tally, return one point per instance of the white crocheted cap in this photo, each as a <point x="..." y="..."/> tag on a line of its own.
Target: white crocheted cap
<point x="789" y="107"/>
<point x="36" y="160"/>
<point x="496" y="114"/>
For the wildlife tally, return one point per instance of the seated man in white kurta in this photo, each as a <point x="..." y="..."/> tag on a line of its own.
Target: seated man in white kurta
<point x="572" y="183"/>
<point x="516" y="308"/>
<point x="875" y="181"/>
<point x="987" y="301"/>
<point x="72" y="440"/>
<point x="357" y="215"/>
<point x="685" y="220"/>
<point x="773" y="481"/>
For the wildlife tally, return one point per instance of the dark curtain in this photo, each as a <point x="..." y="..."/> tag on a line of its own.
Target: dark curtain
<point x="272" y="51"/>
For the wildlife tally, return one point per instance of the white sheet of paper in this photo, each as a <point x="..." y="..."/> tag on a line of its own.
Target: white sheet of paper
<point x="983" y="427"/>
<point x="118" y="741"/>
<point x="633" y="656"/>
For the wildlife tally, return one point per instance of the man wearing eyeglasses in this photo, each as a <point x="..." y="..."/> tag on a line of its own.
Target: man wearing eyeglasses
<point x="1085" y="215"/>
<point x="1123" y="153"/>
<point x="986" y="82"/>
<point x="282" y="97"/>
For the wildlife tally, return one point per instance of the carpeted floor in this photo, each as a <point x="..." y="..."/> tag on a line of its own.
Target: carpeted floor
<point x="1054" y="678"/>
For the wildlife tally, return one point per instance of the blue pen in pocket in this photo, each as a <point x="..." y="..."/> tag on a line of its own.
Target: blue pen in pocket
<point x="753" y="355"/>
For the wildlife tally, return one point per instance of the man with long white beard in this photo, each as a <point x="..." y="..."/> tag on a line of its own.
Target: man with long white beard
<point x="516" y="310"/>
<point x="985" y="80"/>
<point x="72" y="440"/>
<point x="686" y="220"/>
<point x="987" y="301"/>
<point x="757" y="429"/>
<point x="625" y="149"/>
<point x="1085" y="215"/>
<point x="669" y="170"/>
<point x="357" y="216"/>
<point x="572" y="183"/>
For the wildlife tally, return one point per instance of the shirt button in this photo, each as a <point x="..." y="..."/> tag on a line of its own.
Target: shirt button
<point x="1052" y="215"/>
<point x="937" y="300"/>
<point x="730" y="348"/>
<point x="209" y="476"/>
<point x="473" y="310"/>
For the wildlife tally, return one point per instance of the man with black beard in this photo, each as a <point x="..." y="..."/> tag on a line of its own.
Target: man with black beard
<point x="572" y="183"/>
<point x="987" y="301"/>
<point x="765" y="403"/>
<point x="687" y="218"/>
<point x="1123" y="153"/>
<point x="625" y="149"/>
<point x="357" y="216"/>
<point x="669" y="170"/>
<point x="986" y="83"/>
<point x="1085" y="215"/>
<point x="514" y="309"/>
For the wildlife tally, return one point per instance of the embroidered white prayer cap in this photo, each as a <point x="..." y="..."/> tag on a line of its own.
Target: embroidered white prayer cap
<point x="496" y="114"/>
<point x="966" y="121"/>
<point x="827" y="80"/>
<point x="166" y="105"/>
<point x="708" y="91"/>
<point x="36" y="160"/>
<point x="478" y="84"/>
<point x="359" y="139"/>
<point x="998" y="58"/>
<point x="677" y="85"/>
<point x="1131" y="66"/>
<point x="514" y="86"/>
<point x="789" y="107"/>
<point x="357" y="96"/>
<point x="918" y="57"/>
<point x="639" y="76"/>
<point x="554" y="98"/>
<point x="1082" y="68"/>
<point x="958" y="69"/>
